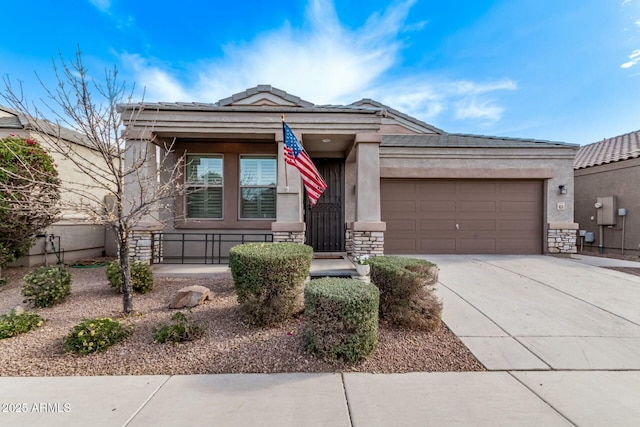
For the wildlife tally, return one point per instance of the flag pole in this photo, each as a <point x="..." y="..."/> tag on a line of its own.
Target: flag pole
<point x="286" y="174"/>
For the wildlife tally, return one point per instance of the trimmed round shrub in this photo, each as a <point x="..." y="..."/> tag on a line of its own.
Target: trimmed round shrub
<point x="12" y="323"/>
<point x="46" y="286"/>
<point x="407" y="291"/>
<point x="92" y="335"/>
<point x="141" y="276"/>
<point x="183" y="328"/>
<point x="341" y="318"/>
<point x="269" y="279"/>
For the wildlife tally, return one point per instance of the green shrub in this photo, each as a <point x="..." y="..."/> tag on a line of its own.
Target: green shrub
<point x="25" y="208"/>
<point x="407" y="294"/>
<point x="141" y="276"/>
<point x="183" y="328"/>
<point x="97" y="334"/>
<point x="12" y="324"/>
<point x="341" y="318"/>
<point x="269" y="279"/>
<point x="46" y="286"/>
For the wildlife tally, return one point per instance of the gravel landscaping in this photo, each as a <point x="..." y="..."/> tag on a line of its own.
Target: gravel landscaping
<point x="228" y="345"/>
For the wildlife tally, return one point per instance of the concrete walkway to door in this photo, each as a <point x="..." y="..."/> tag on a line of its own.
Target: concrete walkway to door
<point x="543" y="312"/>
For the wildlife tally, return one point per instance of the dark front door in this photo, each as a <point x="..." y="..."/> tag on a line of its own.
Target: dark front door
<point x="325" y="221"/>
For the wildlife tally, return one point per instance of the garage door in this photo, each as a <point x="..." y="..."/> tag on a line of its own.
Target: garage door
<point x="462" y="216"/>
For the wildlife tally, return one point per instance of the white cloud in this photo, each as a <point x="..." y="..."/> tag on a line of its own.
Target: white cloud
<point x="156" y="81"/>
<point x="634" y="58"/>
<point x="103" y="5"/>
<point x="325" y="62"/>
<point x="425" y="98"/>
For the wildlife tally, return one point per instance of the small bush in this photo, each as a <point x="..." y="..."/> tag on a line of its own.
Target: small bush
<point x="46" y="286"/>
<point x="12" y="324"/>
<point x="341" y="318"/>
<point x="97" y="334"/>
<point x="269" y="279"/>
<point x="407" y="294"/>
<point x="183" y="328"/>
<point x="141" y="276"/>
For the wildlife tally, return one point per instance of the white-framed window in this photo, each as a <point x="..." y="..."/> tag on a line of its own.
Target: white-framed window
<point x="258" y="178"/>
<point x="204" y="186"/>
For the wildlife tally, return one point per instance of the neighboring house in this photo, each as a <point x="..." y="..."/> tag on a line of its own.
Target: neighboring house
<point x="608" y="172"/>
<point x="73" y="236"/>
<point x="396" y="185"/>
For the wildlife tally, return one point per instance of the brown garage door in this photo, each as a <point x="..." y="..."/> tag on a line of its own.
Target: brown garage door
<point x="462" y="216"/>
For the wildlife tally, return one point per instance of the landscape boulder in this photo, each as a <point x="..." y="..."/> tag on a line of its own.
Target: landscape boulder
<point x="190" y="296"/>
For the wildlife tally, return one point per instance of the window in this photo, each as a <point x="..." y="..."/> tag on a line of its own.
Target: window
<point x="204" y="180"/>
<point x="258" y="187"/>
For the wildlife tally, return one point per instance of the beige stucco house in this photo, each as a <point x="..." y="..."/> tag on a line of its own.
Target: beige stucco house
<point x="74" y="236"/>
<point x="396" y="185"/>
<point x="607" y="173"/>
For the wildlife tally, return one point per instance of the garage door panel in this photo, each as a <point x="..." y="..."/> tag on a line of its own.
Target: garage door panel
<point x="438" y="206"/>
<point x="477" y="245"/>
<point x="494" y="216"/>
<point x="475" y="187"/>
<point x="401" y="246"/>
<point x="477" y="225"/>
<point x="432" y="188"/>
<point x="437" y="245"/>
<point x="401" y="225"/>
<point x="438" y="225"/>
<point x="518" y="226"/>
<point x="479" y="206"/>
<point x="402" y="206"/>
<point x="518" y="206"/>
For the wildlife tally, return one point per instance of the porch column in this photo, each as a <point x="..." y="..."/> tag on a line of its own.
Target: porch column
<point x="367" y="232"/>
<point x="289" y="226"/>
<point x="140" y="188"/>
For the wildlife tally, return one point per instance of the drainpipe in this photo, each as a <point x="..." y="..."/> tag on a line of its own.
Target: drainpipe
<point x="601" y="240"/>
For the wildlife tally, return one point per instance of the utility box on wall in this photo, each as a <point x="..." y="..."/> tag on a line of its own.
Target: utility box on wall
<point x="607" y="210"/>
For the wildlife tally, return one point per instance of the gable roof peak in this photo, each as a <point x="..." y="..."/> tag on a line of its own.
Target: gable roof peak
<point x="264" y="95"/>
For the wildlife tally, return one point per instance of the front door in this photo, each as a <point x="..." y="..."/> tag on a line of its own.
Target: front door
<point x="325" y="221"/>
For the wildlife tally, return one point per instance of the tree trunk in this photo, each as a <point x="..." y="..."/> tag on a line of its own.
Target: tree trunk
<point x="127" y="299"/>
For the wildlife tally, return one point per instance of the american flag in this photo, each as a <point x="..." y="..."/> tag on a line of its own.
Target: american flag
<point x="295" y="155"/>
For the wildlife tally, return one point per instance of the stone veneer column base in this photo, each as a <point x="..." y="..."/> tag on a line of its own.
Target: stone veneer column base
<point x="368" y="243"/>
<point x="289" y="236"/>
<point x="562" y="238"/>
<point x="140" y="247"/>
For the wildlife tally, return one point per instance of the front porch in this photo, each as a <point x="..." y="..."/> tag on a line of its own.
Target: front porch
<point x="338" y="265"/>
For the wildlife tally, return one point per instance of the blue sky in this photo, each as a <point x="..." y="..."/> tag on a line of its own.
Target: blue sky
<point x="564" y="70"/>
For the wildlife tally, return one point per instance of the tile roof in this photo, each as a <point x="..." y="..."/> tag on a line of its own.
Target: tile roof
<point x="609" y="150"/>
<point x="454" y="140"/>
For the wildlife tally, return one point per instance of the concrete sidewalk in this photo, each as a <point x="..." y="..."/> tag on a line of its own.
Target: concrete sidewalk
<point x="560" y="337"/>
<point x="531" y="398"/>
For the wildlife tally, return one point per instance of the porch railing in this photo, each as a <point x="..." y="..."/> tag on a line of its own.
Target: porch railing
<point x="199" y="248"/>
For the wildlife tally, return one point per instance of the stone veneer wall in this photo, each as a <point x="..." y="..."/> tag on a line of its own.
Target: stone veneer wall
<point x="562" y="241"/>
<point x="289" y="236"/>
<point x="367" y="243"/>
<point x="140" y="248"/>
<point x="348" y="242"/>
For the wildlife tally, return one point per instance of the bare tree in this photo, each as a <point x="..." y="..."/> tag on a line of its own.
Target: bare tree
<point x="120" y="170"/>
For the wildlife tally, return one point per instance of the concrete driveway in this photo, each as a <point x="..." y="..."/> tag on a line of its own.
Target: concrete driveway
<point x="542" y="312"/>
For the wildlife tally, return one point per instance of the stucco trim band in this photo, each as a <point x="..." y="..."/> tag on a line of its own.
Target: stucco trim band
<point x="472" y="173"/>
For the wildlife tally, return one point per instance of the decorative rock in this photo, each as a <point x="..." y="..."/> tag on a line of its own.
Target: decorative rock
<point x="190" y="297"/>
<point x="18" y="310"/>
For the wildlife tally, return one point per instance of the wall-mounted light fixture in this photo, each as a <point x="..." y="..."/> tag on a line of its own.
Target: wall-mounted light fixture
<point x="562" y="188"/>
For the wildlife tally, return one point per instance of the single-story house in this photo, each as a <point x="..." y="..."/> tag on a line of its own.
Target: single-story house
<point x="396" y="185"/>
<point x="607" y="193"/>
<point x="74" y="236"/>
